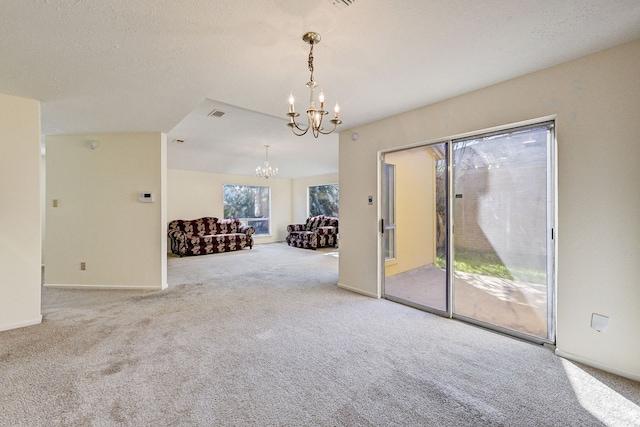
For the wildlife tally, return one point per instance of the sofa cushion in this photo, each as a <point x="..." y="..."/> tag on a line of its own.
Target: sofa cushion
<point x="199" y="227"/>
<point x="227" y="226"/>
<point x="314" y="222"/>
<point x="216" y="243"/>
<point x="205" y="226"/>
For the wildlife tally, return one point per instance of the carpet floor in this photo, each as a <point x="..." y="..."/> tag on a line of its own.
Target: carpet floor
<point x="264" y="337"/>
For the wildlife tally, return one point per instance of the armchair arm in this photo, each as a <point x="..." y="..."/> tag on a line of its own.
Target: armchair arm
<point x="296" y="227"/>
<point x="247" y="229"/>
<point x="178" y="242"/>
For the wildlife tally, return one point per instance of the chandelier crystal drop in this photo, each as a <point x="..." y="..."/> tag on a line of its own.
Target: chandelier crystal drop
<point x="315" y="114"/>
<point x="267" y="171"/>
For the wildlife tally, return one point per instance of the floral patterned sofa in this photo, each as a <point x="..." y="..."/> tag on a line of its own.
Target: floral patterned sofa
<point x="318" y="232"/>
<point x="208" y="235"/>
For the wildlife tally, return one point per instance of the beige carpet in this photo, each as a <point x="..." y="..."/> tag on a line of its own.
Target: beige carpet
<point x="266" y="338"/>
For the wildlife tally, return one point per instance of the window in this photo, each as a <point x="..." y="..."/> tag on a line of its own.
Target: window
<point x="389" y="213"/>
<point x="323" y="200"/>
<point x="248" y="203"/>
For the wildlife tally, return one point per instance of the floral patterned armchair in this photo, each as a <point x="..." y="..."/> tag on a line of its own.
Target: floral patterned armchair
<point x="318" y="232"/>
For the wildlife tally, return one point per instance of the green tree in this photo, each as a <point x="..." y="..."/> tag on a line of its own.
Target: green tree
<point x="245" y="201"/>
<point x="324" y="200"/>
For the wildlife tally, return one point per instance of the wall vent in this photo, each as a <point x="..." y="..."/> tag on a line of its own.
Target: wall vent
<point x="216" y="113"/>
<point x="342" y="3"/>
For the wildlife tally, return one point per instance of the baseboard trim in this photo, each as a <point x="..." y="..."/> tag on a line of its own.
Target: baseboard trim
<point x="24" y="324"/>
<point x="115" y="287"/>
<point x="358" y="291"/>
<point x="597" y="365"/>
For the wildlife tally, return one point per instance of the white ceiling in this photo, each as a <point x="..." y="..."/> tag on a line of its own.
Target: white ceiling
<point x="139" y="65"/>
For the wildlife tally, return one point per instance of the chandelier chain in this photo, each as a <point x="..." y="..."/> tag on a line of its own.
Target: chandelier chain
<point x="310" y="62"/>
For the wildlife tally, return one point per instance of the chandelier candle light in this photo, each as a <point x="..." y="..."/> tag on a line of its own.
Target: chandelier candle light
<point x="267" y="171"/>
<point x="314" y="114"/>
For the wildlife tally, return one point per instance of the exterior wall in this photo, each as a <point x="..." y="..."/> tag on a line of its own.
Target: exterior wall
<point x="480" y="212"/>
<point x="20" y="224"/>
<point x="596" y="103"/>
<point x="415" y="210"/>
<point x="194" y="195"/>
<point x="99" y="219"/>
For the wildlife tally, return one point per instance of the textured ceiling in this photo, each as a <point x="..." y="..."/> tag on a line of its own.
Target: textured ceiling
<point x="137" y="65"/>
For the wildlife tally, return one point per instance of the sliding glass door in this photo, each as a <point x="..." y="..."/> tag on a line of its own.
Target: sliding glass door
<point x="469" y="230"/>
<point x="415" y="196"/>
<point x="502" y="236"/>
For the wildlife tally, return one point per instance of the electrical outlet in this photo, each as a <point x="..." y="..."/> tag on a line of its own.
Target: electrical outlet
<point x="599" y="322"/>
<point x="83" y="266"/>
<point x="55" y="203"/>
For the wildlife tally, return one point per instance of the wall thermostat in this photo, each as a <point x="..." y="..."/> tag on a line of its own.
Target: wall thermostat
<point x="145" y="197"/>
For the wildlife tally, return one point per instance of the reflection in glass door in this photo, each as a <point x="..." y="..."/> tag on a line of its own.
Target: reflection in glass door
<point x="503" y="231"/>
<point x="415" y="217"/>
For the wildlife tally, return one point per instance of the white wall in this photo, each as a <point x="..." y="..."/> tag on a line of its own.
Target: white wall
<point x="596" y="100"/>
<point x="43" y="201"/>
<point x="99" y="219"/>
<point x="301" y="195"/>
<point x="194" y="195"/>
<point x="20" y="228"/>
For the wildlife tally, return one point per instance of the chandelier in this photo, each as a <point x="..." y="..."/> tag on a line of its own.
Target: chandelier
<point x="267" y="171"/>
<point x="315" y="114"/>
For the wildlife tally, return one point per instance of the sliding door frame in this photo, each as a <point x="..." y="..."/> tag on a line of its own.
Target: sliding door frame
<point x="382" y="208"/>
<point x="552" y="215"/>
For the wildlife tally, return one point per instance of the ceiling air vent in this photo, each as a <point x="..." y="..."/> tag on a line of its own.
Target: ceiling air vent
<point x="216" y="113"/>
<point x="342" y="3"/>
